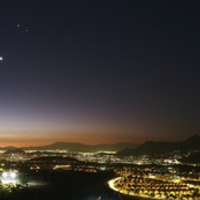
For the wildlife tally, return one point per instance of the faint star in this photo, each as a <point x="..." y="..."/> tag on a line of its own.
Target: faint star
<point x="1" y="58"/>
<point x="18" y="25"/>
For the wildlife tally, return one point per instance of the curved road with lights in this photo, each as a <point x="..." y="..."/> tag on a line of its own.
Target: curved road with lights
<point x="154" y="188"/>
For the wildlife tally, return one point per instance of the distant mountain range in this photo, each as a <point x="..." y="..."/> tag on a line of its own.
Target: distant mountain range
<point x="124" y="149"/>
<point x="79" y="147"/>
<point x="158" y="148"/>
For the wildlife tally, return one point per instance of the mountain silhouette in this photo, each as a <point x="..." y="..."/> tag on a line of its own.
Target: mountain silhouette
<point x="159" y="148"/>
<point x="70" y="146"/>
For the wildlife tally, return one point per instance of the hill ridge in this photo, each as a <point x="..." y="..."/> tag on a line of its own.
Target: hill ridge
<point x="74" y="146"/>
<point x="158" y="148"/>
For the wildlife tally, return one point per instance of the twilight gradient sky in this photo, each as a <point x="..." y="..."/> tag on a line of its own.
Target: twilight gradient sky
<point x="99" y="71"/>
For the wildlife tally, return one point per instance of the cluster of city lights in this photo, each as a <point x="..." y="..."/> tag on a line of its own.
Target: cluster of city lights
<point x="9" y="177"/>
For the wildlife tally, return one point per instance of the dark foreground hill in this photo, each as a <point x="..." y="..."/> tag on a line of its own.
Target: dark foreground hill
<point x="66" y="185"/>
<point x="158" y="148"/>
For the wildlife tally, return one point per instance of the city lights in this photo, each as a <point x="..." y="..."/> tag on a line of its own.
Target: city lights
<point x="9" y="177"/>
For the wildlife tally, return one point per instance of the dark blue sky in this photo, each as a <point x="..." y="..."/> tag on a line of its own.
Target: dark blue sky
<point x="99" y="71"/>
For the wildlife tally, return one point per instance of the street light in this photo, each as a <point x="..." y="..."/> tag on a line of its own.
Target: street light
<point x="13" y="175"/>
<point x="5" y="174"/>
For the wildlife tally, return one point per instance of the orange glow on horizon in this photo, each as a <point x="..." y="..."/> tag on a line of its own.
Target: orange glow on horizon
<point x="26" y="142"/>
<point x="42" y="138"/>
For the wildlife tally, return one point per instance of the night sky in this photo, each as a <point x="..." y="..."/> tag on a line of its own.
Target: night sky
<point x="99" y="71"/>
